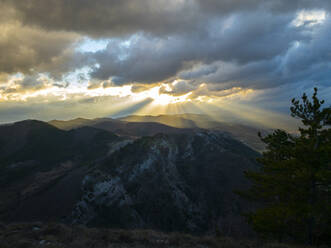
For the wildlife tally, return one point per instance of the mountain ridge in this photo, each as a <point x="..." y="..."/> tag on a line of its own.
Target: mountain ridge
<point x="83" y="175"/>
<point x="245" y="133"/>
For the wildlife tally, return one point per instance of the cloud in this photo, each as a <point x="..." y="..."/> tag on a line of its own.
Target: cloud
<point x="177" y="88"/>
<point x="211" y="48"/>
<point x="17" y="87"/>
<point x="95" y="84"/>
<point x="48" y="107"/>
<point x="277" y="6"/>
<point x="213" y="91"/>
<point x="158" y="17"/>
<point x="304" y="60"/>
<point x="137" y="88"/>
<point x="153" y="41"/>
<point x="238" y="39"/>
<point x="29" y="50"/>
<point x="108" y="17"/>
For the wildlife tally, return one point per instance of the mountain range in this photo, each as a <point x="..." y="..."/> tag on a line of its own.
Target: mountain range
<point x="135" y="125"/>
<point x="170" y="173"/>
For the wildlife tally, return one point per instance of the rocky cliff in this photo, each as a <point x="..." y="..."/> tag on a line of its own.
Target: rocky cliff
<point x="182" y="182"/>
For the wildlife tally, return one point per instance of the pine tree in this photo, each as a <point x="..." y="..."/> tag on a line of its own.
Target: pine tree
<point x="292" y="187"/>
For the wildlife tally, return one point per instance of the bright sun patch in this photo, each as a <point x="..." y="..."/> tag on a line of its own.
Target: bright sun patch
<point x="309" y="18"/>
<point x="164" y="99"/>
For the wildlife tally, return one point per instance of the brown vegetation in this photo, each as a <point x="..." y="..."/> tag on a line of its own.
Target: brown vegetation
<point x="52" y="235"/>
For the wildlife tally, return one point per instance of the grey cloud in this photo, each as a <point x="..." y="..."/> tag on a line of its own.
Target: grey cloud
<point x="226" y="6"/>
<point x="59" y="85"/>
<point x="246" y="43"/>
<point x="30" y="50"/>
<point x="180" y="88"/>
<point x="95" y="84"/>
<point x="214" y="46"/>
<point x="29" y="83"/>
<point x="149" y="59"/>
<point x="305" y="61"/>
<point x="136" y="88"/>
<point x="107" y="84"/>
<point x="120" y="17"/>
<point x="213" y="90"/>
<point x="108" y="17"/>
<point x="198" y="71"/>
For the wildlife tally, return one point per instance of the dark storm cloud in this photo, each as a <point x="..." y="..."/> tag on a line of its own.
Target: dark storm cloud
<point x="244" y="43"/>
<point x="28" y="50"/>
<point x="117" y="17"/>
<point x="307" y="60"/>
<point x="228" y="6"/>
<point x="108" y="17"/>
<point x="240" y="39"/>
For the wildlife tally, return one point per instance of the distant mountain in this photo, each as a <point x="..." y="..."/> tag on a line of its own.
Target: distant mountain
<point x="137" y="129"/>
<point x="245" y="133"/>
<point x="179" y="121"/>
<point x="78" y="122"/>
<point x="122" y="128"/>
<point x="149" y="125"/>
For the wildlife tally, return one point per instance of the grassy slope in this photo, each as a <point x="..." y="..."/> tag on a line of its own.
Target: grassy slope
<point x="57" y="235"/>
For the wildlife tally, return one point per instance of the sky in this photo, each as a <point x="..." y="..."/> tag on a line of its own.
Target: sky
<point x="232" y="60"/>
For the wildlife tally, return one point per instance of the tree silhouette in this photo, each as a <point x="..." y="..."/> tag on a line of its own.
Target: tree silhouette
<point x="292" y="188"/>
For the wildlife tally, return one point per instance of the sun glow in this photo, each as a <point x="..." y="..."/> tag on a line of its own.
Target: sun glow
<point x="153" y="100"/>
<point x="309" y="18"/>
<point x="104" y="100"/>
<point x="165" y="99"/>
